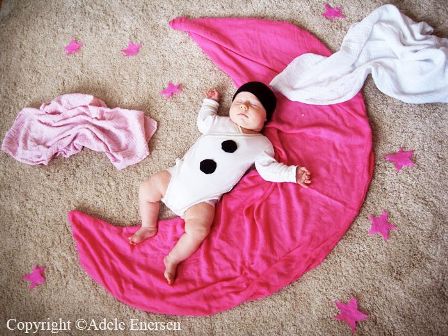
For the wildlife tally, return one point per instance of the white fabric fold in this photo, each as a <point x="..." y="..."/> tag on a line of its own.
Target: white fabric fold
<point x="405" y="60"/>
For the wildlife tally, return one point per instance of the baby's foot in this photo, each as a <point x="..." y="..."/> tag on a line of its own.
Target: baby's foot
<point x="170" y="270"/>
<point x="142" y="234"/>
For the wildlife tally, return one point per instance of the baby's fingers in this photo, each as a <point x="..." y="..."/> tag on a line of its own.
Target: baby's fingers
<point x="305" y="180"/>
<point x="305" y="171"/>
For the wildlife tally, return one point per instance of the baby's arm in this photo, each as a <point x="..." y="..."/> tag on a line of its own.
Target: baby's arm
<point x="207" y="114"/>
<point x="273" y="171"/>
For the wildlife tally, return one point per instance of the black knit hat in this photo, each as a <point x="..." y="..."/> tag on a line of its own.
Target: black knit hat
<point x="263" y="93"/>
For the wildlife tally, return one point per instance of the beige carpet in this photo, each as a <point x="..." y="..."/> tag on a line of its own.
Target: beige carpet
<point x="401" y="283"/>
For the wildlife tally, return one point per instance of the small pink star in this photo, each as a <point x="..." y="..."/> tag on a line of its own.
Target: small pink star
<point x="401" y="158"/>
<point x="132" y="49"/>
<point x="332" y="12"/>
<point x="171" y="90"/>
<point x="73" y="47"/>
<point x="381" y="225"/>
<point x="349" y="313"/>
<point x="36" y="277"/>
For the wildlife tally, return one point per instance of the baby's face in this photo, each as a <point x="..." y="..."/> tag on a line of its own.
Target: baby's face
<point x="246" y="111"/>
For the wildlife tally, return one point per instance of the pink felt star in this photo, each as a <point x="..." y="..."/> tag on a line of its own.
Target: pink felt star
<point x="381" y="225"/>
<point x="73" y="47"/>
<point x="332" y="12"/>
<point x="401" y="158"/>
<point x="36" y="277"/>
<point x="349" y="313"/>
<point x="132" y="49"/>
<point x="171" y="90"/>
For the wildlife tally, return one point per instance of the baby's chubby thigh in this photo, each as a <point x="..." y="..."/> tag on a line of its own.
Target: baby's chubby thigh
<point x="154" y="187"/>
<point x="199" y="219"/>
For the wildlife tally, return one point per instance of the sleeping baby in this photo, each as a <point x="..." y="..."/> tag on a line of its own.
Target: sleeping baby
<point x="228" y="147"/>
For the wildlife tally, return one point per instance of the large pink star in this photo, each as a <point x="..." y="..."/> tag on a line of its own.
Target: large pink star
<point x="349" y="313"/>
<point x="36" y="277"/>
<point x="400" y="158"/>
<point x="381" y="225"/>
<point x="171" y="89"/>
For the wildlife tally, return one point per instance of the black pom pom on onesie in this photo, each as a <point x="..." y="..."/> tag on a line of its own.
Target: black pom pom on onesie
<point x="208" y="166"/>
<point x="229" y="146"/>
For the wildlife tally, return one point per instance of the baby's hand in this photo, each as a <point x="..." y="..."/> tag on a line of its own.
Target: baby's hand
<point x="213" y="94"/>
<point x="303" y="176"/>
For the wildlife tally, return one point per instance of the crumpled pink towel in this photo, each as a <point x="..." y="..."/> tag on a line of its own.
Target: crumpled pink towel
<point x="73" y="121"/>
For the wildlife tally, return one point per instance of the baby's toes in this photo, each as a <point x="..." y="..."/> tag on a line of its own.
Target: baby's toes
<point x="134" y="239"/>
<point x="168" y="277"/>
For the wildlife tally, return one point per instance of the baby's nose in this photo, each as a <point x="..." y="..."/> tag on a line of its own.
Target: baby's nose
<point x="243" y="107"/>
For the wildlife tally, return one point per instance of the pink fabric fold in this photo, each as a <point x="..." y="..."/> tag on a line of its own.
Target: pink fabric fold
<point x="265" y="235"/>
<point x="73" y="121"/>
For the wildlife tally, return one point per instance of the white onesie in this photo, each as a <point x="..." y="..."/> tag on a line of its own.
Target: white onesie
<point x="218" y="160"/>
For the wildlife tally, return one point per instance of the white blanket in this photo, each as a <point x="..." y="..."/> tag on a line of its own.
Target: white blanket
<point x="405" y="60"/>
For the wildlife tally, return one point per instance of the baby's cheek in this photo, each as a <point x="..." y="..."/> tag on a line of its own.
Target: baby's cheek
<point x="232" y="112"/>
<point x="260" y="122"/>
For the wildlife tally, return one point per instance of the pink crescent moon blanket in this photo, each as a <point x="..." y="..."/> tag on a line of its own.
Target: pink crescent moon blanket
<point x="265" y="235"/>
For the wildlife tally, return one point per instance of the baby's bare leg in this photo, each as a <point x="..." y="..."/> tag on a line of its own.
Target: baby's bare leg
<point x="150" y="193"/>
<point x="198" y="221"/>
